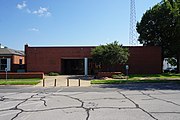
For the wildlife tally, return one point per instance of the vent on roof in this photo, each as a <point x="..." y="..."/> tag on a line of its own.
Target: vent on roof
<point x="1" y="46"/>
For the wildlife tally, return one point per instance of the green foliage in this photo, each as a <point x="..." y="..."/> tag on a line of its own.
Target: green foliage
<point x="172" y="61"/>
<point x="160" y="26"/>
<point x="110" y="54"/>
<point x="53" y="74"/>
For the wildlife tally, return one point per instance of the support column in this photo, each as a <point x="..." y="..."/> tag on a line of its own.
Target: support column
<point x="8" y="64"/>
<point x="86" y="66"/>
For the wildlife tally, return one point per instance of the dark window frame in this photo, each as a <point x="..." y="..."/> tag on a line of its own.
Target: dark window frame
<point x="3" y="65"/>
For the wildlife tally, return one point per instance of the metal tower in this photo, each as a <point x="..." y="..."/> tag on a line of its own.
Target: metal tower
<point x="132" y="29"/>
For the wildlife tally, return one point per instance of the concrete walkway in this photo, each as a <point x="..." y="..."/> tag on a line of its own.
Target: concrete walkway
<point x="62" y="81"/>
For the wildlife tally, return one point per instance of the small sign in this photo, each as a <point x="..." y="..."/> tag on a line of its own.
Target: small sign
<point x="127" y="67"/>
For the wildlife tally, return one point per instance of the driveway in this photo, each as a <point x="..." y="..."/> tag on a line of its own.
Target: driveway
<point x="88" y="103"/>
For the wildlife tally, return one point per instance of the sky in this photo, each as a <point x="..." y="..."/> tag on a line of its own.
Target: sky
<point x="67" y="22"/>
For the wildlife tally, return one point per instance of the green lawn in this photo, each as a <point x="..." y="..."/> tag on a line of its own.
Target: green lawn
<point x="156" y="78"/>
<point x="131" y="81"/>
<point x="164" y="75"/>
<point x="33" y="81"/>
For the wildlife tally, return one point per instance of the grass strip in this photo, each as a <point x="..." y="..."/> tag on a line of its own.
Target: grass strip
<point x="131" y="81"/>
<point x="20" y="81"/>
<point x="164" y="75"/>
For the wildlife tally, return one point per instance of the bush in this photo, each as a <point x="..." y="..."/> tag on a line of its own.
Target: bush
<point x="53" y="74"/>
<point x="119" y="76"/>
<point x="110" y="54"/>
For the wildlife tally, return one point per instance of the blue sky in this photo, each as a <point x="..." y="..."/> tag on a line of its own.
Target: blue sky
<point x="66" y="22"/>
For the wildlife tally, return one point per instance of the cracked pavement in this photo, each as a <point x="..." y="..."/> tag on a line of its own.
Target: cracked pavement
<point x="115" y="104"/>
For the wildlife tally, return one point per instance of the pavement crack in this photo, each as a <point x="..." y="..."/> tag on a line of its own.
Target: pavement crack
<point x="148" y="99"/>
<point x="44" y="101"/>
<point x="17" y="114"/>
<point x="85" y="104"/>
<point x="165" y="112"/>
<point x="50" y="109"/>
<point x="137" y="106"/>
<point x="160" y="99"/>
<point x="106" y="99"/>
<point x="81" y="106"/>
<point x="119" y="107"/>
<point x="63" y="108"/>
<point x="168" y="93"/>
<point x="21" y="110"/>
<point x="2" y="98"/>
<point x="88" y="114"/>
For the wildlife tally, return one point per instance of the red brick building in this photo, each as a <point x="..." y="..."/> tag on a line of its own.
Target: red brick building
<point x="10" y="59"/>
<point x="74" y="60"/>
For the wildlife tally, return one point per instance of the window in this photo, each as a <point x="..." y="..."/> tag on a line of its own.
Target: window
<point x="21" y="66"/>
<point x="20" y="61"/>
<point x="3" y="64"/>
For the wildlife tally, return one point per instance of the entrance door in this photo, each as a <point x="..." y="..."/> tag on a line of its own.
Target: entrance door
<point x="76" y="66"/>
<point x="73" y="66"/>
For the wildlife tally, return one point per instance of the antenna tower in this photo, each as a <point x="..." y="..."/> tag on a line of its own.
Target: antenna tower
<point x="132" y="29"/>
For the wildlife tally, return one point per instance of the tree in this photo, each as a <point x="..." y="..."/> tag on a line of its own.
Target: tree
<point x="110" y="54"/>
<point x="160" y="26"/>
<point x="172" y="61"/>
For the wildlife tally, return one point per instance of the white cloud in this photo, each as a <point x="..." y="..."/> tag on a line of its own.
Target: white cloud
<point x="42" y="11"/>
<point x="34" y="29"/>
<point x="21" y="5"/>
<point x="28" y="10"/>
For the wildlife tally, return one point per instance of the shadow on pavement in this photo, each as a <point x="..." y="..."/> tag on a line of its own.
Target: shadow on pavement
<point x="142" y="86"/>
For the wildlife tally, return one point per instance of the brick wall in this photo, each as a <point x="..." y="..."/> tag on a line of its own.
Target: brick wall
<point x="48" y="59"/>
<point x="12" y="75"/>
<point x="142" y="60"/>
<point x="145" y="60"/>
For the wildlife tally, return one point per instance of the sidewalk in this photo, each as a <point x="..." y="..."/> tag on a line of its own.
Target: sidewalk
<point x="62" y="81"/>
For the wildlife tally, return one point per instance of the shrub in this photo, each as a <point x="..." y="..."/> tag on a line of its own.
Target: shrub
<point x="53" y="74"/>
<point x="110" y="54"/>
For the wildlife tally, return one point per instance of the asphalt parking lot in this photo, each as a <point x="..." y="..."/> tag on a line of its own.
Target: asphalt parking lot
<point x="113" y="102"/>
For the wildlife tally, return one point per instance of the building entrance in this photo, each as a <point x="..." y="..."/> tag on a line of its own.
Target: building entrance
<point x="75" y="66"/>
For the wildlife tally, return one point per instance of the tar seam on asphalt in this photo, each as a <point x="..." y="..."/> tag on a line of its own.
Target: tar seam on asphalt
<point x="137" y="106"/>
